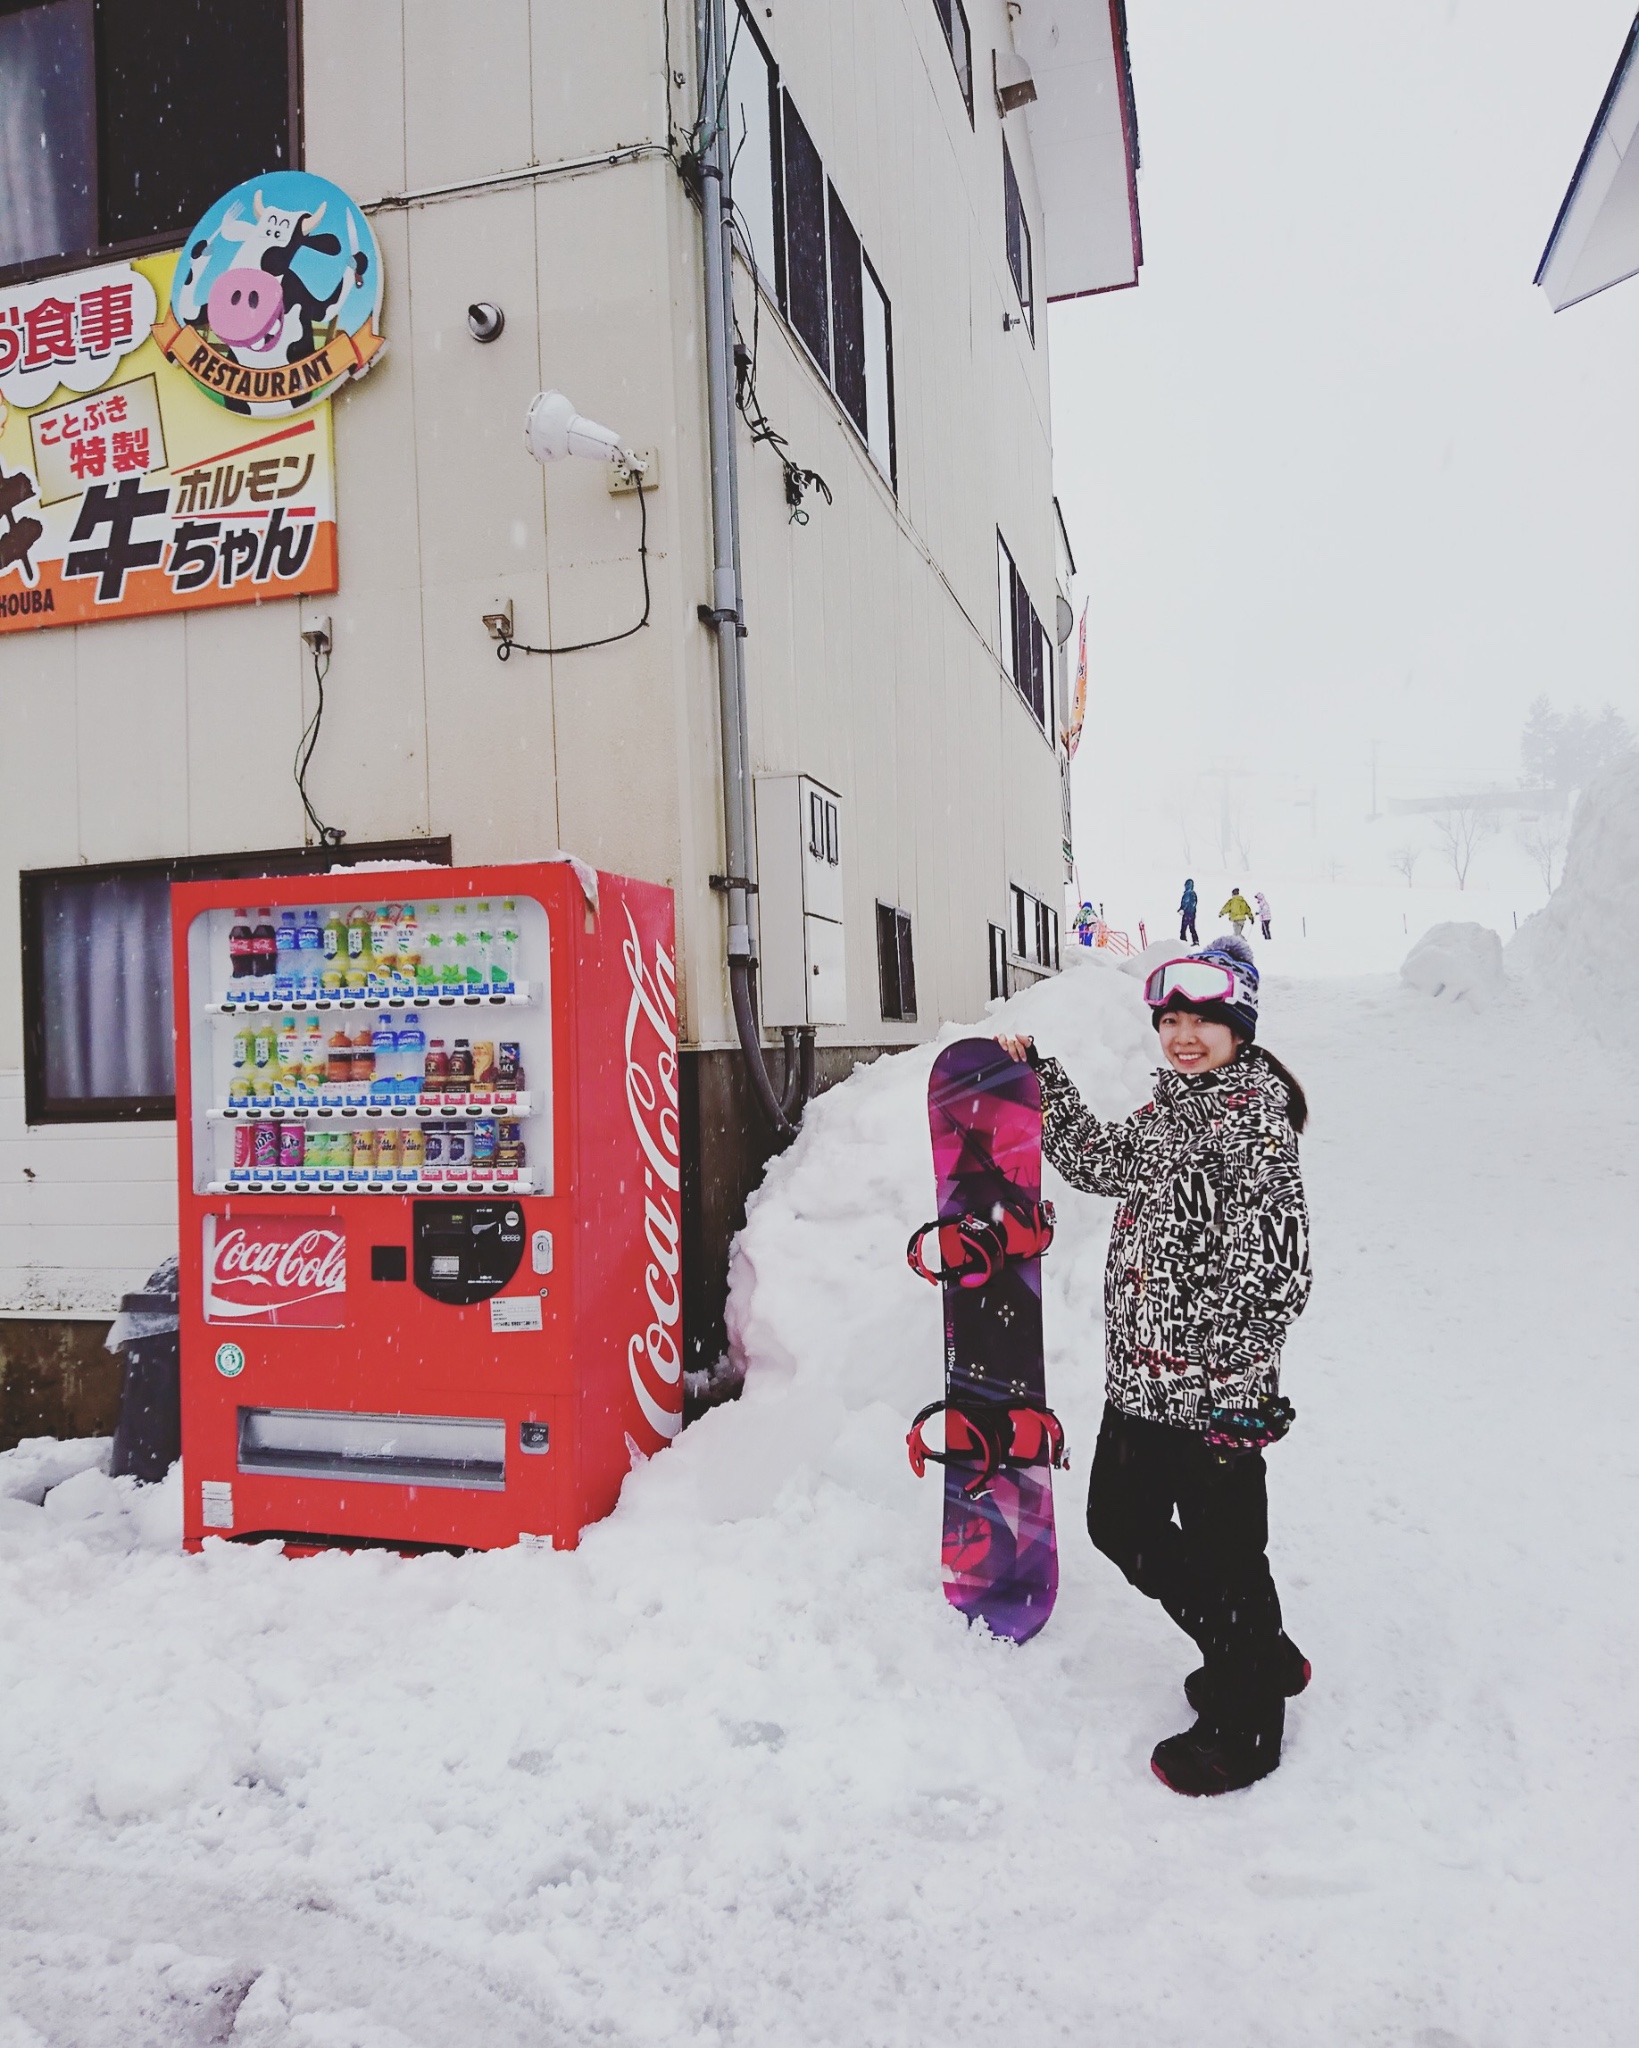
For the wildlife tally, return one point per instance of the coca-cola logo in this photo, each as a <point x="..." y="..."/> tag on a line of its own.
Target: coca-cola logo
<point x="275" y="1269"/>
<point x="654" y="1356"/>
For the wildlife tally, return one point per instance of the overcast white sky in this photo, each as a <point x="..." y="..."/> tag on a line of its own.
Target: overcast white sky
<point x="1334" y="472"/>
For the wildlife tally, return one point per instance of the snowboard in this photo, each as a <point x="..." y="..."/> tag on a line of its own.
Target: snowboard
<point x="1000" y="1553"/>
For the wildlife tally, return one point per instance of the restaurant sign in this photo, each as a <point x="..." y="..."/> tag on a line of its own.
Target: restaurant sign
<point x="165" y="433"/>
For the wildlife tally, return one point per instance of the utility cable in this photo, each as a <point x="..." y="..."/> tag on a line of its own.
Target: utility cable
<point x="329" y="835"/>
<point x="508" y="646"/>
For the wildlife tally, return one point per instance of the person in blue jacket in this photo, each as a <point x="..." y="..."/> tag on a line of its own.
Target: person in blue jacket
<point x="1186" y="914"/>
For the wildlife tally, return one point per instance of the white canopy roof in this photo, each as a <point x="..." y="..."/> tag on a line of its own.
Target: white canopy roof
<point x="1084" y="142"/>
<point x="1595" y="242"/>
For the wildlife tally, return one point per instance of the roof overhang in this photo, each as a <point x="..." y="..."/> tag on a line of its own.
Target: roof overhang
<point x="1595" y="242"/>
<point x="1084" y="142"/>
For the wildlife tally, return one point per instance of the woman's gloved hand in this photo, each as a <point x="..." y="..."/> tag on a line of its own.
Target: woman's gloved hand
<point x="1232" y="1432"/>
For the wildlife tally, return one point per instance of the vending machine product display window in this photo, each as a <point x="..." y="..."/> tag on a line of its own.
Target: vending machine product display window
<point x="428" y="1176"/>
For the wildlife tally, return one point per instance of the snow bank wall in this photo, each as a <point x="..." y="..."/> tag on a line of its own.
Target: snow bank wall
<point x="1583" y="947"/>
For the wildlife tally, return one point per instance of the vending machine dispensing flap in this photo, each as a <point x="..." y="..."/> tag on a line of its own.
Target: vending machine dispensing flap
<point x="466" y="1251"/>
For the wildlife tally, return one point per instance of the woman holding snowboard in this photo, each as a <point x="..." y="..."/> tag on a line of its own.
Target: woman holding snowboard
<point x="1208" y="1264"/>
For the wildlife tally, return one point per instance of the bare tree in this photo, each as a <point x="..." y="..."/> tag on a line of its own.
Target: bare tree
<point x="1461" y="830"/>
<point x="1543" y="838"/>
<point x="1404" y="860"/>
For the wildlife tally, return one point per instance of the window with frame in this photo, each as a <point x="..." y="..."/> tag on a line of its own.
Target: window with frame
<point x="1035" y="932"/>
<point x="1021" y="637"/>
<point x="97" y="1044"/>
<point x="953" y="20"/>
<point x="831" y="292"/>
<point x="753" y="119"/>
<point x="1018" y="241"/>
<point x="123" y="120"/>
<point x="998" y="960"/>
<point x="896" y="964"/>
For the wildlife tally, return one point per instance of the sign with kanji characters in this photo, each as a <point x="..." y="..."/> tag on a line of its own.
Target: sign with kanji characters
<point x="279" y="296"/>
<point x="124" y="488"/>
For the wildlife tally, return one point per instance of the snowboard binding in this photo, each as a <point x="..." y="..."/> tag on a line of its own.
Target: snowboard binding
<point x="973" y="1249"/>
<point x="991" y="1436"/>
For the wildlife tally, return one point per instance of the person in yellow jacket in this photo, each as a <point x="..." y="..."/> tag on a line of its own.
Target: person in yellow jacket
<point x="1237" y="910"/>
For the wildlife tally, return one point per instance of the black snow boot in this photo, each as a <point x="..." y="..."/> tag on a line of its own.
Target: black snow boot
<point x="1215" y="1756"/>
<point x="1292" y="1672"/>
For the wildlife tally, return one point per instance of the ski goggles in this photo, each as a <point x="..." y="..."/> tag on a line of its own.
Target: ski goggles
<point x="1196" y="980"/>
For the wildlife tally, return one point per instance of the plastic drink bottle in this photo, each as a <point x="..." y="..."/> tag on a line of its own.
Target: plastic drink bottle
<point x="359" y="950"/>
<point x="483" y="945"/>
<point x="284" y="957"/>
<point x="241" y="949"/>
<point x="431" y="940"/>
<point x="384" y="1059"/>
<point x="412" y="1058"/>
<point x="309" y="955"/>
<point x="459" y="1079"/>
<point x="436" y="1070"/>
<point x="264" y="946"/>
<point x="338" y="1066"/>
<point x="362" y="1067"/>
<point x="241" y="1082"/>
<point x="333" y="952"/>
<point x="503" y="959"/>
<point x="457" y="950"/>
<point x="407" y="952"/>
<point x="315" y="1063"/>
<point x="475" y="970"/>
<point x="383" y="945"/>
<point x="290" y="1058"/>
<point x="265" y="1055"/>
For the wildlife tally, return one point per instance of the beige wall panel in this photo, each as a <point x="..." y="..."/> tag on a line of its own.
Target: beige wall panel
<point x="244" y="685"/>
<point x="132" y="705"/>
<point x="466" y="89"/>
<point x="377" y="540"/>
<point x="353" y="94"/>
<point x="599" y="74"/>
<point x="369" y="772"/>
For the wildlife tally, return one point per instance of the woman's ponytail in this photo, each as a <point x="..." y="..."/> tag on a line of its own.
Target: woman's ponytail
<point x="1297" y="1103"/>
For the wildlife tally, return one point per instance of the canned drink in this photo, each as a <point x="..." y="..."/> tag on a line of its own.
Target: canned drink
<point x="412" y="1149"/>
<point x="264" y="1155"/>
<point x="510" y="1155"/>
<point x="292" y="1147"/>
<point x="483" y="1063"/>
<point x="509" y="1067"/>
<point x="483" y="1144"/>
<point x="364" y="1154"/>
<point x="316" y="1164"/>
<point x="433" y="1153"/>
<point x="457" y="1155"/>
<point x="244" y="1143"/>
<point x="387" y="1149"/>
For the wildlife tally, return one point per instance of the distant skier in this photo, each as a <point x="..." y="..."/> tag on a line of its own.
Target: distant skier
<point x="1264" y="912"/>
<point x="1187" y="905"/>
<point x="1208" y="1264"/>
<point x="1237" y="910"/>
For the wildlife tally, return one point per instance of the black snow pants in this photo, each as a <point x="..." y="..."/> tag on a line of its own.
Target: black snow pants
<point x="1208" y="1568"/>
<point x="1186" y="928"/>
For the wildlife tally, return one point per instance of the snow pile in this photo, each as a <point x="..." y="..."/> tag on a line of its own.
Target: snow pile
<point x="1457" y="963"/>
<point x="1584" y="947"/>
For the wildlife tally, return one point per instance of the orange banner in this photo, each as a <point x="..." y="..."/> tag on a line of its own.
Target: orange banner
<point x="344" y="355"/>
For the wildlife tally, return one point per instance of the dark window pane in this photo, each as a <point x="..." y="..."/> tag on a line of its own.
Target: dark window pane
<point x="106" y="968"/>
<point x="961" y="50"/>
<point x="807" y="302"/>
<point x="48" y="132"/>
<point x="907" y="970"/>
<point x="998" y="960"/>
<point x="195" y="97"/>
<point x="847" y="316"/>
<point x="887" y="960"/>
<point x="1018" y="238"/>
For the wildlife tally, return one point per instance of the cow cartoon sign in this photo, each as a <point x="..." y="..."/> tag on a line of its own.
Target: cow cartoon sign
<point x="276" y="298"/>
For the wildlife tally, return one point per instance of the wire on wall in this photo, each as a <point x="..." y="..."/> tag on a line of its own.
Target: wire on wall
<point x="507" y="646"/>
<point x="328" y="835"/>
<point x="798" y="481"/>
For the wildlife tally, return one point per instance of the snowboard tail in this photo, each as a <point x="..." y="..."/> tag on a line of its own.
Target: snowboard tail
<point x="1000" y="1552"/>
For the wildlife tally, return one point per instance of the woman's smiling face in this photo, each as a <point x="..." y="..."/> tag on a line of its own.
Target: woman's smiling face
<point x="1192" y="1045"/>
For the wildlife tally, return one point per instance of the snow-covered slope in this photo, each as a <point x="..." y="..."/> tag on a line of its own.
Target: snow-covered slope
<point x="732" y="1775"/>
<point x="1583" y="947"/>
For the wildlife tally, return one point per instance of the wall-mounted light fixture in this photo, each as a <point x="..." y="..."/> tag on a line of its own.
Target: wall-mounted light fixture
<point x="484" y="321"/>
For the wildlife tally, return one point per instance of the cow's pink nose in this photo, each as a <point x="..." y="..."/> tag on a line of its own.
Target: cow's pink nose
<point x="245" y="306"/>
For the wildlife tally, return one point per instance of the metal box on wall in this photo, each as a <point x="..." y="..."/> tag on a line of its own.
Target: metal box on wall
<point x="800" y="902"/>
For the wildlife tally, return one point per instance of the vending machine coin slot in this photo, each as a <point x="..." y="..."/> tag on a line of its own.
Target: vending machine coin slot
<point x="466" y="1251"/>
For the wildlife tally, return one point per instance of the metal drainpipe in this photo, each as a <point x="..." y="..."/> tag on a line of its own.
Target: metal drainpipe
<point x="779" y="1106"/>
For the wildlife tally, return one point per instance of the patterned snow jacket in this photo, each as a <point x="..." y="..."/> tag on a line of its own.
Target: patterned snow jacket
<point x="1209" y="1249"/>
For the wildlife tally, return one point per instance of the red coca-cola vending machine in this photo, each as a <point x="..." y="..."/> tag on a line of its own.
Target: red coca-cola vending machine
<point x="428" y="1159"/>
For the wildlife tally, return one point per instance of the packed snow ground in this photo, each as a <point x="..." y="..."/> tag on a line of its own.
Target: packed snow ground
<point x="733" y="1773"/>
